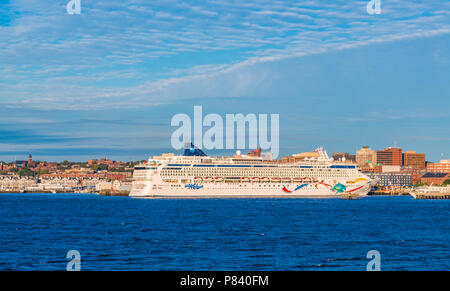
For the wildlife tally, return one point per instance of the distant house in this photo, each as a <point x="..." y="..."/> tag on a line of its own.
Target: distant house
<point x="21" y="164"/>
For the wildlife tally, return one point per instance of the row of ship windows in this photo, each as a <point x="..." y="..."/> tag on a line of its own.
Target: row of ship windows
<point x="250" y="172"/>
<point x="254" y="169"/>
<point x="178" y="166"/>
<point x="238" y="171"/>
<point x="253" y="175"/>
<point x="241" y="185"/>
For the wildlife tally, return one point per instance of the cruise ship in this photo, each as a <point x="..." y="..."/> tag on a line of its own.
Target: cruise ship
<point x="196" y="175"/>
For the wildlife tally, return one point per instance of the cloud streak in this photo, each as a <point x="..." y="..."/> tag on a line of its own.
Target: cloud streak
<point x="122" y="54"/>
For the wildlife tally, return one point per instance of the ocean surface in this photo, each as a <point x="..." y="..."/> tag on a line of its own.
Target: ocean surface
<point x="121" y="233"/>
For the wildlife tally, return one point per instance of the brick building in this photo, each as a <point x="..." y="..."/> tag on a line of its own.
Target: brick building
<point x="255" y="153"/>
<point x="414" y="160"/>
<point x="372" y="169"/>
<point x="390" y="157"/>
<point x="442" y="167"/>
<point x="30" y="162"/>
<point x="435" y="178"/>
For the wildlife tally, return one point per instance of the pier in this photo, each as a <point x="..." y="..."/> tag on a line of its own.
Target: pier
<point x="397" y="192"/>
<point x="350" y="196"/>
<point x="432" y="196"/>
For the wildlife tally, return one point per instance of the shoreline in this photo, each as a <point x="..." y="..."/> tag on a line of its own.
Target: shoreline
<point x="102" y="193"/>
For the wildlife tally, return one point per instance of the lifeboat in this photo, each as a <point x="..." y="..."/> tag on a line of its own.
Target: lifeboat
<point x="286" y="180"/>
<point x="208" y="179"/>
<point x="218" y="179"/>
<point x="245" y="179"/>
<point x="275" y="179"/>
<point x="265" y="180"/>
<point x="255" y="179"/>
<point x="298" y="180"/>
<point x="198" y="179"/>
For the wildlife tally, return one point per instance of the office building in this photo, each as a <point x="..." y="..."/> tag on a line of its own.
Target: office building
<point x="366" y="156"/>
<point x="390" y="157"/>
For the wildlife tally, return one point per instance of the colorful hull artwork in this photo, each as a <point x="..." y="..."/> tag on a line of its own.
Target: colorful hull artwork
<point x="338" y="188"/>
<point x="193" y="186"/>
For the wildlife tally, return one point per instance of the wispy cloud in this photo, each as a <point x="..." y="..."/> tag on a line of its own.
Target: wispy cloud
<point x="122" y="53"/>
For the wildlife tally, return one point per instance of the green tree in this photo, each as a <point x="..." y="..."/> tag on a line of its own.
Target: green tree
<point x="26" y="173"/>
<point x="100" y="167"/>
<point x="43" y="171"/>
<point x="446" y="182"/>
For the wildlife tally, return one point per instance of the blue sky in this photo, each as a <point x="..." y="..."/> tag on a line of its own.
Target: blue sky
<point x="107" y="82"/>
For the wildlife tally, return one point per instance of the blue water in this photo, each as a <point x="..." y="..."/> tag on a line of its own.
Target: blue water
<point x="120" y="233"/>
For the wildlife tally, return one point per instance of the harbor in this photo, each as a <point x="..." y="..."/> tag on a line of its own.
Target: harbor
<point x="255" y="174"/>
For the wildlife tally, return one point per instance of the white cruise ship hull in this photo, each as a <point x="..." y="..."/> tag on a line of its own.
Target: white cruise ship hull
<point x="205" y="177"/>
<point x="144" y="189"/>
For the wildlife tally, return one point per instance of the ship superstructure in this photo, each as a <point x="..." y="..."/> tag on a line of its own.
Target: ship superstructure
<point x="196" y="175"/>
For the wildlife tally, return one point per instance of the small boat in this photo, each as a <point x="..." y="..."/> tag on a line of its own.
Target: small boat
<point x="219" y="179"/>
<point x="276" y="179"/>
<point x="245" y="179"/>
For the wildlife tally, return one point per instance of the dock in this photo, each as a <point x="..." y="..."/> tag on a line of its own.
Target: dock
<point x="432" y="196"/>
<point x="400" y="192"/>
<point x="350" y="196"/>
<point x="114" y="193"/>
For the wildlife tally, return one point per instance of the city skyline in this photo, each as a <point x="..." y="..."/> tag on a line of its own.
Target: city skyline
<point x="108" y="81"/>
<point x="250" y="152"/>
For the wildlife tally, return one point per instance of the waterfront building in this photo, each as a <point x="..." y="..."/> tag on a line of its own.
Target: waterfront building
<point x="372" y="169"/>
<point x="391" y="179"/>
<point x="390" y="157"/>
<point x="255" y="153"/>
<point x="390" y="169"/>
<point x="414" y="160"/>
<point x="344" y="157"/>
<point x="435" y="178"/>
<point x="299" y="157"/>
<point x="366" y="156"/>
<point x="442" y="167"/>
